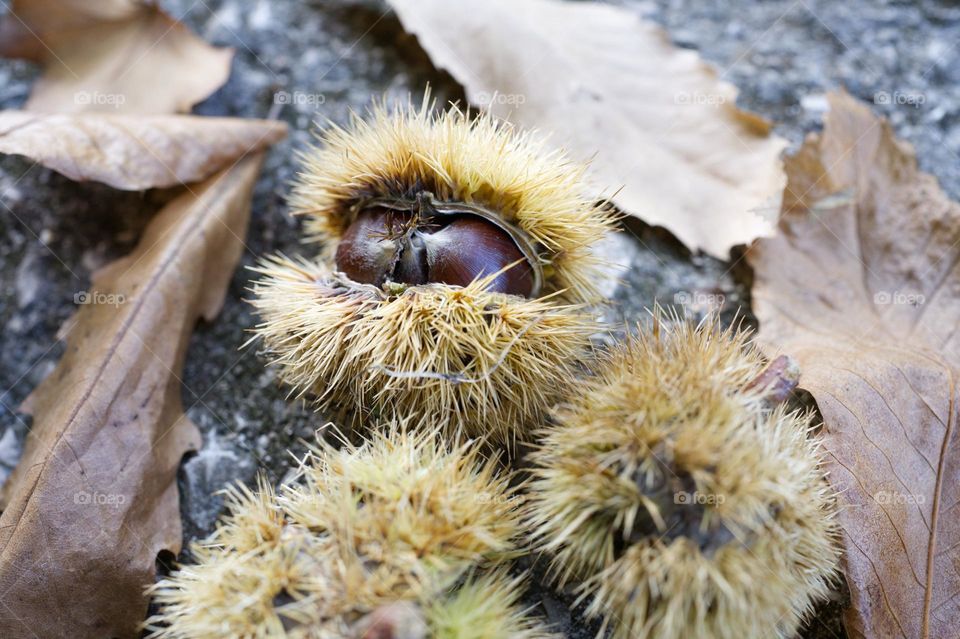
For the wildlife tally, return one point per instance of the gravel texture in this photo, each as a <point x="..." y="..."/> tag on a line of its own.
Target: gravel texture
<point x="331" y="57"/>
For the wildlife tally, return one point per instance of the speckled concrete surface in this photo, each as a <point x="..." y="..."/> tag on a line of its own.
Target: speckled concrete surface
<point x="330" y="57"/>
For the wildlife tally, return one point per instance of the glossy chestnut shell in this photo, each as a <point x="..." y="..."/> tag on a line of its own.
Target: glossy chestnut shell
<point x="453" y="245"/>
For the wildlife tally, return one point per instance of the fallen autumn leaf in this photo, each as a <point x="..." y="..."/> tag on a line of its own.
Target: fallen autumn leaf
<point x="861" y="287"/>
<point x="108" y="56"/>
<point x="94" y="498"/>
<point x="652" y="118"/>
<point x="134" y="152"/>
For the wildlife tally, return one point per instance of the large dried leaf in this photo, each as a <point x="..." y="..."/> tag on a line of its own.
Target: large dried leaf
<point x="94" y="498"/>
<point x="655" y="119"/>
<point x="134" y="152"/>
<point x="111" y="55"/>
<point x="861" y="285"/>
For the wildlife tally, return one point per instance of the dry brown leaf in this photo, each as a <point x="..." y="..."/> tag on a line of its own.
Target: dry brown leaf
<point x="134" y="152"/>
<point x="111" y="55"/>
<point x="94" y="498"/>
<point x="861" y="285"/>
<point x="606" y="85"/>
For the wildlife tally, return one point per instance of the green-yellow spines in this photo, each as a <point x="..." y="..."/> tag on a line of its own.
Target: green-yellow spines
<point x="485" y="606"/>
<point x="680" y="501"/>
<point x="397" y="519"/>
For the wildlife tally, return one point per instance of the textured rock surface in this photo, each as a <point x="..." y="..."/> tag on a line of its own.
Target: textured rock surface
<point x="295" y="59"/>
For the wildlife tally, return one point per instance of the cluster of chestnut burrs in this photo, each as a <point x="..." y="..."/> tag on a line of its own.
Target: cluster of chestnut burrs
<point x="447" y="321"/>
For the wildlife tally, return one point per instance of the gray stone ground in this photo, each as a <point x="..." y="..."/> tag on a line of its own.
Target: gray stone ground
<point x="335" y="56"/>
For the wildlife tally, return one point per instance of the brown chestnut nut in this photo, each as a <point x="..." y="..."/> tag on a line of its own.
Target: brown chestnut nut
<point x="368" y="252"/>
<point x="384" y="244"/>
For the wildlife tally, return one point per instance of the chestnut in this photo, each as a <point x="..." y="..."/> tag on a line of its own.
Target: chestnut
<point x="457" y="278"/>
<point x="454" y="245"/>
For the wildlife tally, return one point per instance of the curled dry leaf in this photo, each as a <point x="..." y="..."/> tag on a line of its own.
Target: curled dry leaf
<point x="111" y="55"/>
<point x="861" y="285"/>
<point x="610" y="88"/>
<point x="134" y="152"/>
<point x="94" y="498"/>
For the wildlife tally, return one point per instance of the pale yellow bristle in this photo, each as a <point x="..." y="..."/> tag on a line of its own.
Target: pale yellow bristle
<point x="469" y="360"/>
<point x="399" y="518"/>
<point x="682" y="503"/>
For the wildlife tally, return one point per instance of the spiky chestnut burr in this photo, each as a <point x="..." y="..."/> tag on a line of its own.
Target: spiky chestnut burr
<point x="454" y="276"/>
<point x="396" y="524"/>
<point x="679" y="499"/>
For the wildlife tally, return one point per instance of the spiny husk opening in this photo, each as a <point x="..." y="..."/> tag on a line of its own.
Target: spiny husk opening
<point x="682" y="503"/>
<point x="474" y="362"/>
<point x="426" y="209"/>
<point x="404" y="151"/>
<point x="399" y="518"/>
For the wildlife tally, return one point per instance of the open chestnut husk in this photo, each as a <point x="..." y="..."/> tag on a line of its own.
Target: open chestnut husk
<point x="455" y="280"/>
